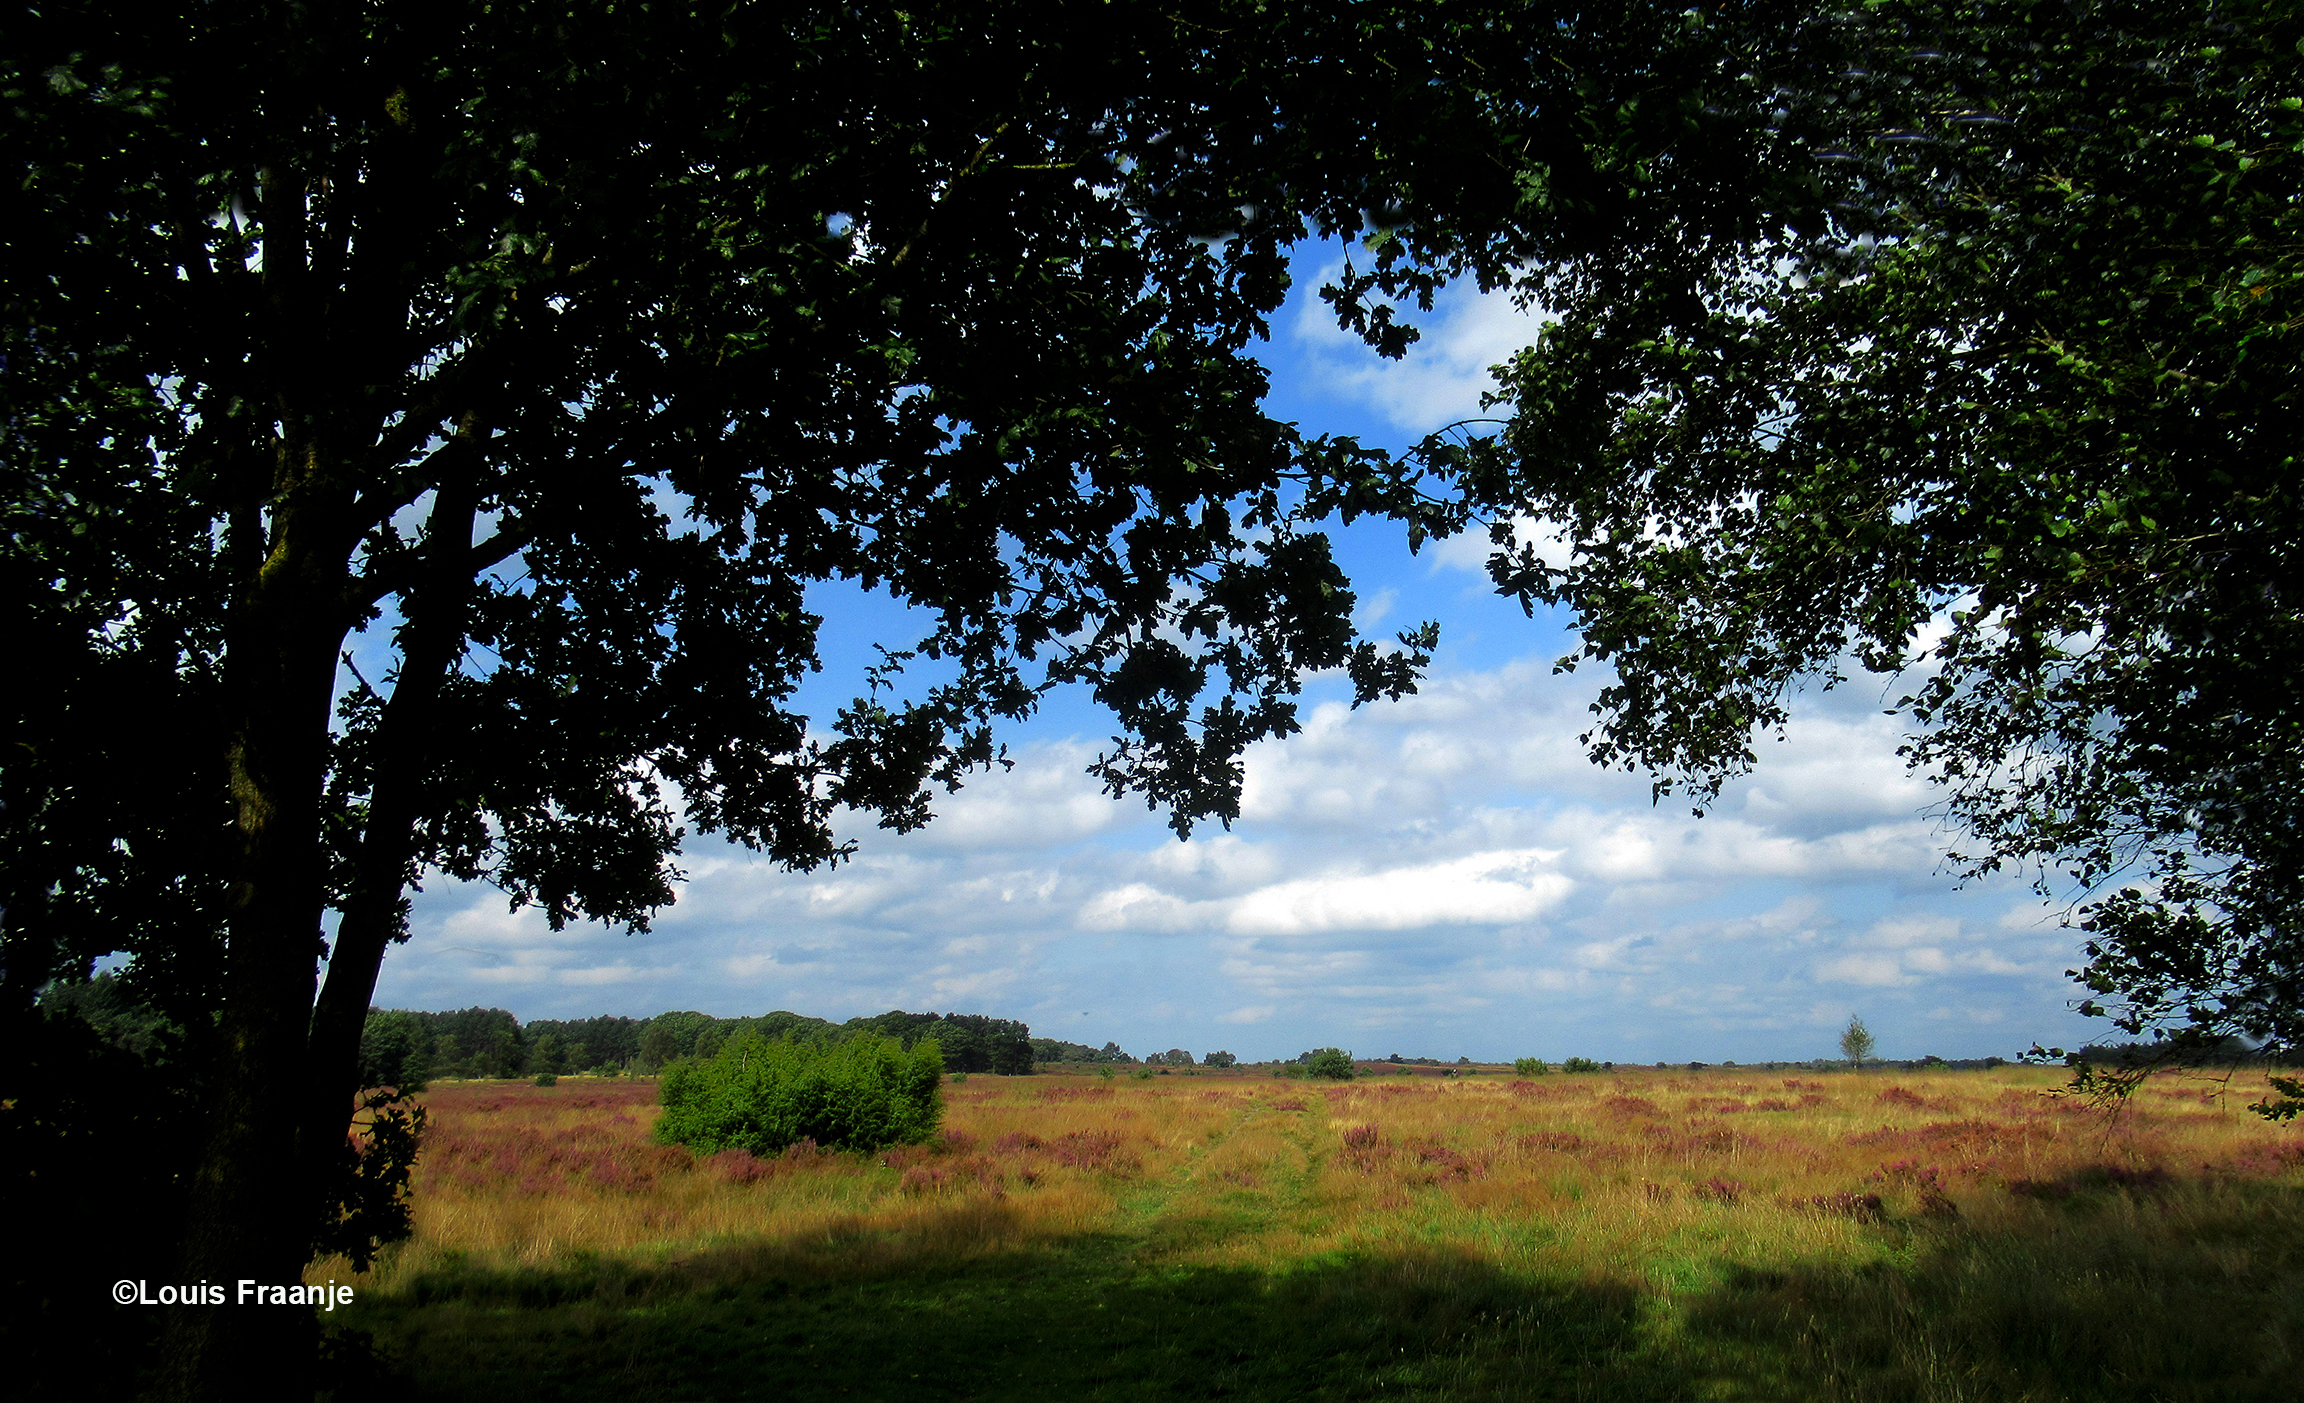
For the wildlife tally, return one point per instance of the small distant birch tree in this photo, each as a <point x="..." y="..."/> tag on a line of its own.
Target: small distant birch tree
<point x="1856" y="1041"/>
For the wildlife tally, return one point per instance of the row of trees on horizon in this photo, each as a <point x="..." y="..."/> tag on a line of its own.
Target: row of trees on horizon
<point x="405" y="1046"/>
<point x="402" y="1046"/>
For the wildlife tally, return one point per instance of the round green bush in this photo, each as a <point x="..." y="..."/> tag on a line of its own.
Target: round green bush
<point x="860" y="1093"/>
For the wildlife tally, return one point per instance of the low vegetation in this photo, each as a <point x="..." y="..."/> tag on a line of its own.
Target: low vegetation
<point x="1634" y="1235"/>
<point x="760" y="1097"/>
<point x="1321" y="1064"/>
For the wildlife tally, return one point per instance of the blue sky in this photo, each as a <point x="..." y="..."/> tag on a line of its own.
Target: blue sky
<point x="1439" y="877"/>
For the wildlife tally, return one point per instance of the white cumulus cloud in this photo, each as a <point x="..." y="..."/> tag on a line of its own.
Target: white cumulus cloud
<point x="1495" y="888"/>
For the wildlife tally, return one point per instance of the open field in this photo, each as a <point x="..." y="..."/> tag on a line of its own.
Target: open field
<point x="1637" y="1235"/>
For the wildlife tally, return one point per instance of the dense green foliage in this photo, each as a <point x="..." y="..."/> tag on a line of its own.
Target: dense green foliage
<point x="1579" y="1064"/>
<point x="402" y="1047"/>
<point x="398" y="1048"/>
<point x="1998" y="401"/>
<point x="971" y="1042"/>
<point x="861" y="1093"/>
<point x="1328" y="1063"/>
<point x="1856" y="1041"/>
<point x="1532" y="1066"/>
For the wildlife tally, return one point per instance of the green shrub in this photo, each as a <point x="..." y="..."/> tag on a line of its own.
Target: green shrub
<point x="1532" y="1067"/>
<point x="1142" y="1074"/>
<point x="547" y="1079"/>
<point x="959" y="1077"/>
<point x="1333" y="1063"/>
<point x="861" y="1093"/>
<point x="1579" y="1064"/>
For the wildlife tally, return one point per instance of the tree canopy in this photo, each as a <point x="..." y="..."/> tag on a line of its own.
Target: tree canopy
<point x="2005" y="412"/>
<point x="561" y="349"/>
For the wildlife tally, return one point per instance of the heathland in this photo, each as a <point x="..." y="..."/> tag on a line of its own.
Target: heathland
<point x="1636" y="1235"/>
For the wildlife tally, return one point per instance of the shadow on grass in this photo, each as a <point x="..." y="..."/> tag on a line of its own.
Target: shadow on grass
<point x="1074" y="1320"/>
<point x="2115" y="1293"/>
<point x="2108" y="1292"/>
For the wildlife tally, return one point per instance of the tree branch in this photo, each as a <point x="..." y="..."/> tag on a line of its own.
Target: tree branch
<point x="401" y="572"/>
<point x="950" y="186"/>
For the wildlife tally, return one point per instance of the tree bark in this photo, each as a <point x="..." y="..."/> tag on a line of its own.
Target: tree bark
<point x="287" y="627"/>
<point x="431" y="642"/>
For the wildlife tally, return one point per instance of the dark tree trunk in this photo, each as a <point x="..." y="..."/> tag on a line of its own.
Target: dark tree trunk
<point x="287" y="626"/>
<point x="431" y="643"/>
<point x="248" y="1167"/>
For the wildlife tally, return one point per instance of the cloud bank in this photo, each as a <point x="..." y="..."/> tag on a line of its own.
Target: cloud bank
<point x="1442" y="876"/>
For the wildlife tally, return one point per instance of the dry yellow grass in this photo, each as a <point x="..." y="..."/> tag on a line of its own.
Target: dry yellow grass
<point x="1835" y="1235"/>
<point x="1607" y="1171"/>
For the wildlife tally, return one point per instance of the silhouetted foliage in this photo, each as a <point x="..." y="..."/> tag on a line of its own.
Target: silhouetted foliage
<point x="370" y="1207"/>
<point x="1997" y="405"/>
<point x="98" y="1135"/>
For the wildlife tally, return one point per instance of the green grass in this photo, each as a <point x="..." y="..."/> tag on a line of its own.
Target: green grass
<point x="1083" y="1321"/>
<point x="1236" y="1249"/>
<point x="2065" y="1314"/>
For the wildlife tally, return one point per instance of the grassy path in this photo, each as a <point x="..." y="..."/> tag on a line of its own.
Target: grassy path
<point x="1195" y="1206"/>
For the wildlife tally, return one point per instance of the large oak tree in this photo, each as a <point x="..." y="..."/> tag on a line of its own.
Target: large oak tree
<point x="561" y="347"/>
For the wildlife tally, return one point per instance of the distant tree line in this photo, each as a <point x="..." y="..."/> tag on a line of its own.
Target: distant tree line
<point x="1057" y="1050"/>
<point x="400" y="1046"/>
<point x="1178" y="1057"/>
